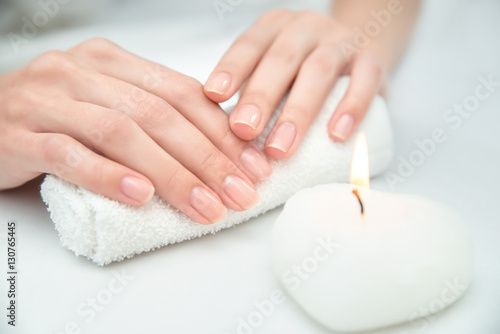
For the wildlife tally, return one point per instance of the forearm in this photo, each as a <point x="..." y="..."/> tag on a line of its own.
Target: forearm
<point x="381" y="26"/>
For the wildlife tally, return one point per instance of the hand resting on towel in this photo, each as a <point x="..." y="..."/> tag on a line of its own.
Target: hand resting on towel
<point x="119" y="125"/>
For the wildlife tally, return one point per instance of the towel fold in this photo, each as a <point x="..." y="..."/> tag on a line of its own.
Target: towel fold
<point x="104" y="230"/>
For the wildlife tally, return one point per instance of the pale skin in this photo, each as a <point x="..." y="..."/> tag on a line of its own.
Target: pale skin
<point x="122" y="126"/>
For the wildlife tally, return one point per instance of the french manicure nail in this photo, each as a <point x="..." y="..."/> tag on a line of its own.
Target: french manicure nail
<point x="256" y="163"/>
<point x="206" y="204"/>
<point x="247" y="114"/>
<point x="218" y="83"/>
<point x="137" y="189"/>
<point x="283" y="137"/>
<point x="343" y="127"/>
<point x="240" y="192"/>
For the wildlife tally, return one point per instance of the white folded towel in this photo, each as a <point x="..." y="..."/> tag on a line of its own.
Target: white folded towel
<point x="104" y="230"/>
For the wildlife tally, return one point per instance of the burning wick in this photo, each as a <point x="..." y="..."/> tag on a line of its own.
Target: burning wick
<point x="355" y="192"/>
<point x="360" y="173"/>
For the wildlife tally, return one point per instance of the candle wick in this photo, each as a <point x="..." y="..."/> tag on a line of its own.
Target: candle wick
<point x="356" y="193"/>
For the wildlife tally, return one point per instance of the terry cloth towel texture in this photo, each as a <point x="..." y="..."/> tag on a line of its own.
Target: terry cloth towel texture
<point x="104" y="230"/>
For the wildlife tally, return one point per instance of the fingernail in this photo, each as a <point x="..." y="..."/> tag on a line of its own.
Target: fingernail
<point x="218" y="83"/>
<point x="247" y="114"/>
<point x="240" y="192"/>
<point x="256" y="163"/>
<point x="343" y="127"/>
<point x="206" y="204"/>
<point x="137" y="189"/>
<point x="283" y="137"/>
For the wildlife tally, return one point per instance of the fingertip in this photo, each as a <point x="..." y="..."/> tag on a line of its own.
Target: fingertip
<point x="215" y="97"/>
<point x="277" y="153"/>
<point x="336" y="137"/>
<point x="341" y="128"/>
<point x="243" y="131"/>
<point x="238" y="194"/>
<point x="245" y="121"/>
<point x="255" y="162"/>
<point x="137" y="190"/>
<point x="208" y="206"/>
<point x="217" y="87"/>
<point x="283" y="141"/>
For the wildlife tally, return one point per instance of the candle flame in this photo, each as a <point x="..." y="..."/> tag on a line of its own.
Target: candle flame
<point x="360" y="172"/>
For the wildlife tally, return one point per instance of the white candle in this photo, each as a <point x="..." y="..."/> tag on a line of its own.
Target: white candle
<point x="404" y="258"/>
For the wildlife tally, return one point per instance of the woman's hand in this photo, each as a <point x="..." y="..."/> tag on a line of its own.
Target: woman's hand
<point x="122" y="126"/>
<point x="300" y="51"/>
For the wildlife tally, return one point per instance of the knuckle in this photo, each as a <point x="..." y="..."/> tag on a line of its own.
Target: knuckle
<point x="193" y="85"/>
<point x="188" y="88"/>
<point x="97" y="47"/>
<point x="99" y="42"/>
<point x="211" y="160"/>
<point x="320" y="63"/>
<point x="151" y="112"/>
<point x="283" y="53"/>
<point x="118" y="128"/>
<point x="228" y="138"/>
<point x="375" y="69"/>
<point x="297" y="112"/>
<point x="249" y="41"/>
<point x="96" y="174"/>
<point x="51" y="61"/>
<point x="53" y="147"/>
<point x="310" y="15"/>
<point x="96" y="44"/>
<point x="22" y="102"/>
<point x="276" y="14"/>
<point x="174" y="180"/>
<point x="6" y="147"/>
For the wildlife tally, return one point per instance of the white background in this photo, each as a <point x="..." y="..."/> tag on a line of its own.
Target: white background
<point x="204" y="285"/>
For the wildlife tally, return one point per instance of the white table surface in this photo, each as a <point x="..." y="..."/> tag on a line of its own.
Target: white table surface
<point x="204" y="285"/>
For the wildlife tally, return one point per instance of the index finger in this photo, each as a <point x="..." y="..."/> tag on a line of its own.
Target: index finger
<point x="243" y="55"/>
